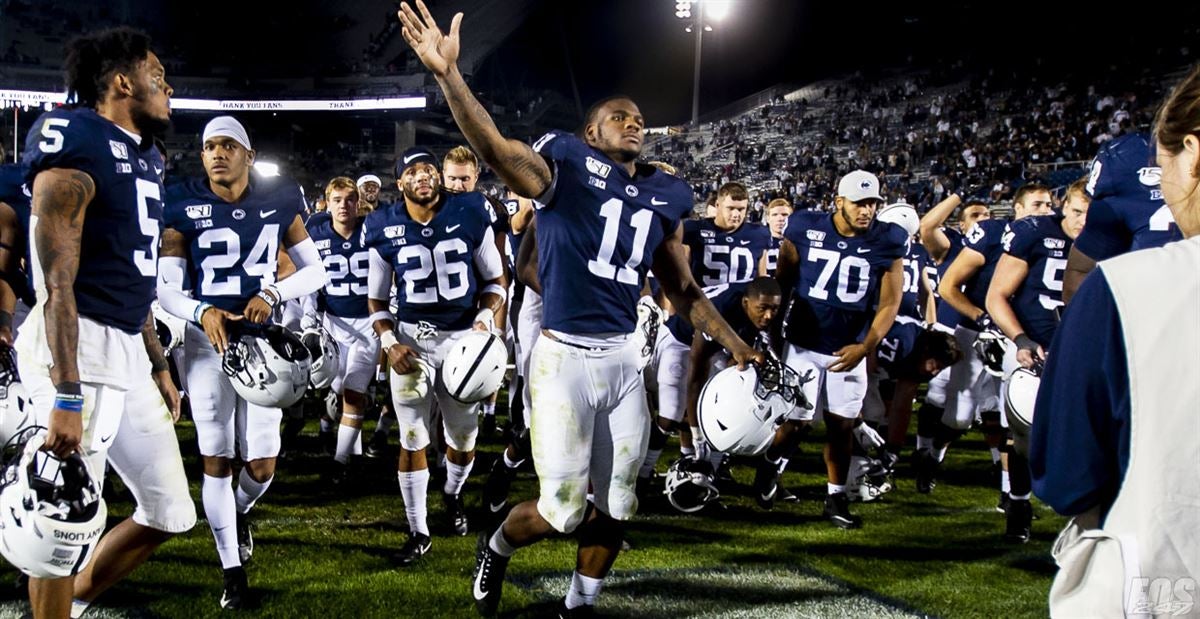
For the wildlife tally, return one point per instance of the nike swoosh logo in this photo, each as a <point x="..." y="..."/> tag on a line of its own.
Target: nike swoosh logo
<point x="411" y="157"/>
<point x="106" y="439"/>
<point x="744" y="242"/>
<point x="862" y="251"/>
<point x="657" y="202"/>
<point x="450" y="229"/>
<point x="496" y="507"/>
<point x="477" y="591"/>
<point x="266" y="214"/>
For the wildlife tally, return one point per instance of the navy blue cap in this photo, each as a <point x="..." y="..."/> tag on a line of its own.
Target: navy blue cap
<point x="413" y="156"/>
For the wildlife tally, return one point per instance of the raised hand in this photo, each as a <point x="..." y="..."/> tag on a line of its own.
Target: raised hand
<point x="437" y="51"/>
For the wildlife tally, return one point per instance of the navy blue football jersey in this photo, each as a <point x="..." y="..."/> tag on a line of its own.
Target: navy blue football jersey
<point x="232" y="249"/>
<point x="724" y="257"/>
<point x="987" y="238"/>
<point x="514" y="238"/>
<point x="347" y="263"/>
<point x="773" y="256"/>
<point x="946" y="314"/>
<point x="14" y="192"/>
<point x="1127" y="211"/>
<point x="915" y="263"/>
<point x="727" y="298"/>
<point x="838" y="286"/>
<point x="1042" y="244"/>
<point x="894" y="349"/>
<point x="434" y="263"/>
<point x="118" y="253"/>
<point x="597" y="231"/>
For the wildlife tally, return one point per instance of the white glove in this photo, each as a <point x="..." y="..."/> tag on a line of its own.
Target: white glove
<point x="867" y="437"/>
<point x="309" y="321"/>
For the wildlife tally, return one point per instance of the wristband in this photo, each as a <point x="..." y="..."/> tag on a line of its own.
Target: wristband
<point x="69" y="387"/>
<point x="1024" y="342"/>
<point x="70" y="402"/>
<point x="387" y="340"/>
<point x="270" y="299"/>
<point x="495" y="289"/>
<point x="199" y="313"/>
<point x="382" y="315"/>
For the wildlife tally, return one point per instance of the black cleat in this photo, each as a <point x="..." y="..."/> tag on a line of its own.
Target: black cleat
<point x="417" y="545"/>
<point x="487" y="426"/>
<point x="1020" y="521"/>
<point x="837" y="510"/>
<point x="1005" y="501"/>
<point x="377" y="446"/>
<point x="457" y="512"/>
<point x="338" y="474"/>
<point x="237" y="590"/>
<point x="245" y="538"/>
<point x="495" y="489"/>
<point x="785" y="495"/>
<point x="927" y="470"/>
<point x="579" y="612"/>
<point x="488" y="580"/>
<point x="766" y="484"/>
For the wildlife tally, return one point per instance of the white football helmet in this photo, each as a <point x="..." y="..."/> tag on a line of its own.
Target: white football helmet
<point x="650" y="318"/>
<point x="170" y="328"/>
<point x="15" y="412"/>
<point x="474" y="366"/>
<point x="413" y="387"/>
<point x="989" y="345"/>
<point x="1019" y="401"/>
<point x="325" y="355"/>
<point x="739" y="410"/>
<point x="901" y="214"/>
<point x="689" y="485"/>
<point x="51" y="510"/>
<point x="267" y="365"/>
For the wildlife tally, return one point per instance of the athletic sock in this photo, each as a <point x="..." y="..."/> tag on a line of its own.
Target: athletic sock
<point x="583" y="591"/>
<point x="414" y="488"/>
<point x="347" y="437"/>
<point x="250" y="491"/>
<point x="499" y="544"/>
<point x="456" y="477"/>
<point x="510" y="463"/>
<point x="835" y="488"/>
<point x="216" y="494"/>
<point x="1005" y="484"/>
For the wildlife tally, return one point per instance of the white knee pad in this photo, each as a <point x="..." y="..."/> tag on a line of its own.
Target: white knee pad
<point x="460" y="422"/>
<point x="565" y="509"/>
<point x="413" y="436"/>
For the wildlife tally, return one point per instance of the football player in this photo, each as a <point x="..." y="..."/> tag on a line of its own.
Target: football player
<point x="943" y="243"/>
<point x="778" y="211"/>
<point x="16" y="290"/>
<point x="439" y="249"/>
<point x="683" y="358"/>
<point x="368" y="193"/>
<point x="342" y="308"/>
<point x="1127" y="211"/>
<point x="835" y="266"/>
<point x="970" y="388"/>
<point x="89" y="346"/>
<point x="603" y="220"/>
<point x="223" y="235"/>
<point x="724" y="250"/>
<point x="1024" y="299"/>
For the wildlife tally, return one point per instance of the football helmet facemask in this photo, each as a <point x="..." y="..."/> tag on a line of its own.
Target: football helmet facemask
<point x="989" y="345"/>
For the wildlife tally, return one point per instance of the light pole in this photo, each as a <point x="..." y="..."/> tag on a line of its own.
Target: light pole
<point x="693" y="10"/>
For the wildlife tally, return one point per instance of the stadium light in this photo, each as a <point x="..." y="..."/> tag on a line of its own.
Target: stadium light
<point x="717" y="10"/>
<point x="266" y="168"/>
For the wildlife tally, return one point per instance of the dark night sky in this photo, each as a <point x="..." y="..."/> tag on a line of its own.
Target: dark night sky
<point x="640" y="48"/>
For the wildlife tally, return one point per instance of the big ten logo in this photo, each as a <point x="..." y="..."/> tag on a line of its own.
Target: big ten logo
<point x="1161" y="596"/>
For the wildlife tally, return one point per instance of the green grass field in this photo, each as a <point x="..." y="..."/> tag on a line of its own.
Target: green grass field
<point x="322" y="553"/>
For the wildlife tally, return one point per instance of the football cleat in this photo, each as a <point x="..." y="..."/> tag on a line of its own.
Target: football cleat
<point x="579" y="612"/>
<point x="457" y="512"/>
<point x="766" y="484"/>
<point x="377" y="446"/>
<point x="837" y="511"/>
<point x="417" y="546"/>
<point x="237" y="590"/>
<point x="495" y="488"/>
<point x="927" y="469"/>
<point x="1005" y="501"/>
<point x="488" y="580"/>
<point x="245" y="538"/>
<point x="1019" y="521"/>
<point x="785" y="495"/>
